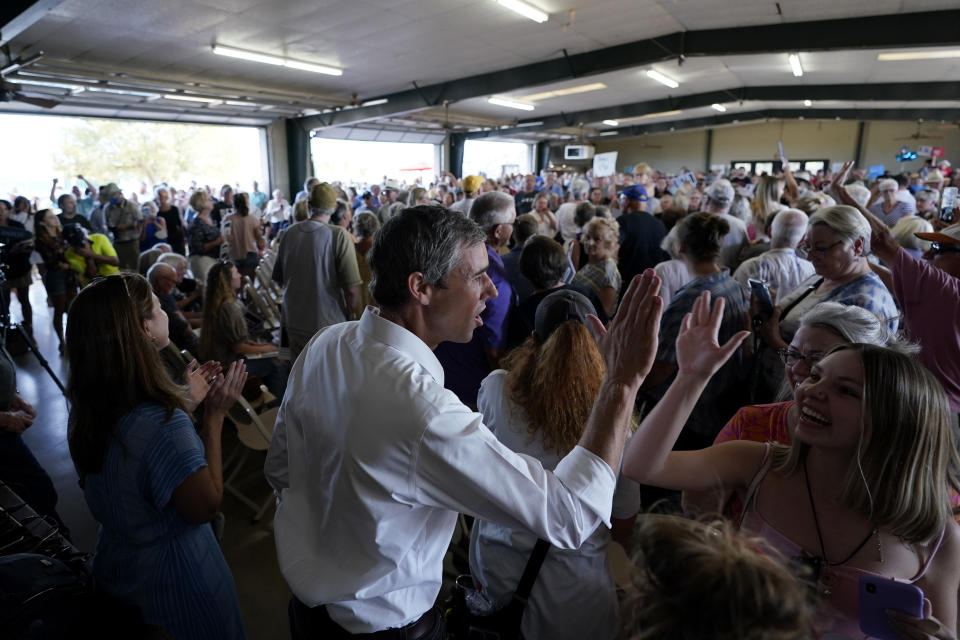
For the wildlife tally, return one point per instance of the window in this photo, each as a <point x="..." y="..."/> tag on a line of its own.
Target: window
<point x="368" y="162"/>
<point x="492" y="159"/>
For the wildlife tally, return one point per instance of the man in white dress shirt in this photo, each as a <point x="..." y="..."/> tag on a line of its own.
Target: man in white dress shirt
<point x="780" y="267"/>
<point x="372" y="458"/>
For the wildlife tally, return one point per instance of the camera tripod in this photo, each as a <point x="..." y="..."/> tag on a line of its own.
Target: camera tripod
<point x="6" y="325"/>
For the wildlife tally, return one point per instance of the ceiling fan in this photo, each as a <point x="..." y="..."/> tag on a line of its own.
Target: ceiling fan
<point x="919" y="134"/>
<point x="10" y="92"/>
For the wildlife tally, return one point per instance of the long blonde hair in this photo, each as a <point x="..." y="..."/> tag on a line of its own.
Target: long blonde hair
<point x="556" y="383"/>
<point x="766" y="201"/>
<point x="906" y="459"/>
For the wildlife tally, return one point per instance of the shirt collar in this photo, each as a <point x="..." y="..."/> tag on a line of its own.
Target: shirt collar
<point x="494" y="256"/>
<point x="403" y="340"/>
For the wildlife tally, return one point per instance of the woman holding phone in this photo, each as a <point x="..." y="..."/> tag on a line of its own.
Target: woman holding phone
<point x="863" y="489"/>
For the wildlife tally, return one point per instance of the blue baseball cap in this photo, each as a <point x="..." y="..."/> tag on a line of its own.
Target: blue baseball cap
<point x="635" y="192"/>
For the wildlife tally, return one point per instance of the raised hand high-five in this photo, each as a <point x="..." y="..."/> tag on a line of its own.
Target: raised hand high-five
<point x="698" y="351"/>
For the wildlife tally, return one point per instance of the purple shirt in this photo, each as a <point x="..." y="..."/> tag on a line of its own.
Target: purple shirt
<point x="930" y="299"/>
<point x="466" y="365"/>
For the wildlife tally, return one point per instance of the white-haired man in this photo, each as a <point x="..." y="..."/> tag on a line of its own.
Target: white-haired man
<point x="780" y="267"/>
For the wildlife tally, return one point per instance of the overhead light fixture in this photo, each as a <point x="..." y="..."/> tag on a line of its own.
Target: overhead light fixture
<point x="75" y="88"/>
<point x="569" y="91"/>
<point x="662" y="79"/>
<point x="511" y="104"/>
<point x="240" y="103"/>
<point x="659" y="114"/>
<point x="611" y="123"/>
<point x="275" y="60"/>
<point x="919" y="55"/>
<point x="524" y="9"/>
<point x="528" y="124"/>
<point x="124" y="92"/>
<point x="808" y="103"/>
<point x="795" y="64"/>
<point x="718" y="107"/>
<point x="374" y="103"/>
<point x="608" y="133"/>
<point x="185" y="98"/>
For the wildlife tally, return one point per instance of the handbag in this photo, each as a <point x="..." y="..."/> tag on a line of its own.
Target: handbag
<point x="502" y="624"/>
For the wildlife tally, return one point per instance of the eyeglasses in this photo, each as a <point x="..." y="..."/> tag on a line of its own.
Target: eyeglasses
<point x="942" y="247"/>
<point x="823" y="250"/>
<point x="791" y="357"/>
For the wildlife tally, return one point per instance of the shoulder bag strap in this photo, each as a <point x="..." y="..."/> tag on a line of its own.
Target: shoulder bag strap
<point x="789" y="307"/>
<point x="531" y="571"/>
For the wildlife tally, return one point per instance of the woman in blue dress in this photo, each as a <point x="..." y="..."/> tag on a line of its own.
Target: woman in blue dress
<point x="151" y="481"/>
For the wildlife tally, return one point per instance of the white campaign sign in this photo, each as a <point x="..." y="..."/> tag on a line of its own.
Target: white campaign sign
<point x="605" y="164"/>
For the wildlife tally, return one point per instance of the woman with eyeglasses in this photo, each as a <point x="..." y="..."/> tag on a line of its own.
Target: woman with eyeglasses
<point x="149" y="478"/>
<point x="863" y="490"/>
<point x="837" y="243"/>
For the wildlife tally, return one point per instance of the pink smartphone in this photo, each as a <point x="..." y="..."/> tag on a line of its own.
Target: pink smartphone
<point x="877" y="595"/>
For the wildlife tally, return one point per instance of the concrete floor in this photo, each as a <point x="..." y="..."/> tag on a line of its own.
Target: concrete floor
<point x="248" y="548"/>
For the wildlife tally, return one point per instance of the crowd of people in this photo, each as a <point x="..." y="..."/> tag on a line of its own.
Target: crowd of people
<point x="751" y="383"/>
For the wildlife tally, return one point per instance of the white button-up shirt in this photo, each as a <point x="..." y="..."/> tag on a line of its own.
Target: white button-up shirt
<point x="373" y="459"/>
<point x="782" y="269"/>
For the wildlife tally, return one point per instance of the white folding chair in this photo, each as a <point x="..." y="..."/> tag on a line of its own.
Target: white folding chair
<point x="254" y="431"/>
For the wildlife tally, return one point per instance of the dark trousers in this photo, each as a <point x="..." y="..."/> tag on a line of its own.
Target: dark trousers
<point x="314" y="623"/>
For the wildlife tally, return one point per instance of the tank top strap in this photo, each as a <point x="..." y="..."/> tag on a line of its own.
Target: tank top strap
<point x="765" y="465"/>
<point x="926" y="564"/>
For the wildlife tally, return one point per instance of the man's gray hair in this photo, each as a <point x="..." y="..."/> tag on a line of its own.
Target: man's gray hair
<point x="365" y="224"/>
<point x="928" y="195"/>
<point x="846" y="222"/>
<point x="788" y="228"/>
<point x="156" y="271"/>
<point x="859" y="193"/>
<point x="428" y="239"/>
<point x="855" y="325"/>
<point x="719" y="196"/>
<point x="306" y="183"/>
<point x="491" y="208"/>
<point x="173" y="259"/>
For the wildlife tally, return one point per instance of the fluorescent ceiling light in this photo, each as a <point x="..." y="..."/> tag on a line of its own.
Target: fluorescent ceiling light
<point x="595" y="86"/>
<point x="240" y="103"/>
<point x="662" y="79"/>
<point x="53" y="85"/>
<point x="920" y="55"/>
<point x="510" y="103"/>
<point x="611" y="123"/>
<point x="525" y="10"/>
<point x="808" y="103"/>
<point x="529" y="124"/>
<point x="374" y="103"/>
<point x="275" y="60"/>
<point x="676" y="112"/>
<point x="124" y="92"/>
<point x="795" y="64"/>
<point x="609" y="133"/>
<point x="170" y="96"/>
<point x="718" y="107"/>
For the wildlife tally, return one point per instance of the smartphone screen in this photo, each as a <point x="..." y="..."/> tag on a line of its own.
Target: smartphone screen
<point x="761" y="292"/>
<point x="948" y="205"/>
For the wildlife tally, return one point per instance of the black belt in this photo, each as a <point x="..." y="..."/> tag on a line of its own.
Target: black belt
<point x="316" y="622"/>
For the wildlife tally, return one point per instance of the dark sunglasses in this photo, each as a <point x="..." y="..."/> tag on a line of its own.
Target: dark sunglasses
<point x="941" y="247"/>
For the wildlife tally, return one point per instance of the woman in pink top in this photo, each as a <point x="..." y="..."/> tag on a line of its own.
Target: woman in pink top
<point x="862" y="488"/>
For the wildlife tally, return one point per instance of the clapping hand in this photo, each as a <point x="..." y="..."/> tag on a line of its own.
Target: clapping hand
<point x="630" y="345"/>
<point x="198" y="379"/>
<point x="698" y="351"/>
<point x="226" y="388"/>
